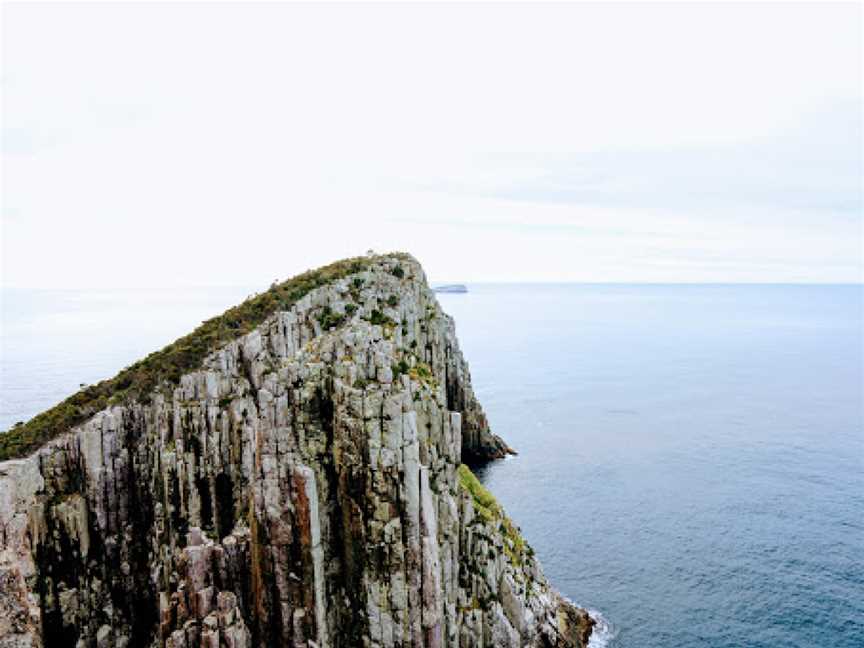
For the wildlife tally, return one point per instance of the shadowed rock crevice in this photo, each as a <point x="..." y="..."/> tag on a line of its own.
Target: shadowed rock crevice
<point x="225" y="505"/>
<point x="301" y="487"/>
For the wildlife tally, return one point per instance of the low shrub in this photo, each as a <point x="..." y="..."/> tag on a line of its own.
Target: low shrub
<point x="329" y="319"/>
<point x="165" y="367"/>
<point x="379" y="318"/>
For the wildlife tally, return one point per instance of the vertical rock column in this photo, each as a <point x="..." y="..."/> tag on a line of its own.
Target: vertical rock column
<point x="306" y="502"/>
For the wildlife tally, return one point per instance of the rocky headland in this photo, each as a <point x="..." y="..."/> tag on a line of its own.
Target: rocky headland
<point x="291" y="474"/>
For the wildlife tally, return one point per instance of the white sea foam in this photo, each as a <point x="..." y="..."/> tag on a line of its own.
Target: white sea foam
<point x="603" y="632"/>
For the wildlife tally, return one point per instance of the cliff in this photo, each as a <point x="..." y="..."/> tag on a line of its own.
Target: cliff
<point x="303" y="485"/>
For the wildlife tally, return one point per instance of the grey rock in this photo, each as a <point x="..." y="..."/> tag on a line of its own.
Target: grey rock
<point x="300" y="489"/>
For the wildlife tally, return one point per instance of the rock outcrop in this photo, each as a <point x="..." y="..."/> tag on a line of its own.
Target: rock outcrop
<point x="304" y="487"/>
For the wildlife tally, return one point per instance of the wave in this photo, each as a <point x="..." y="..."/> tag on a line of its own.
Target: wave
<point x="603" y="632"/>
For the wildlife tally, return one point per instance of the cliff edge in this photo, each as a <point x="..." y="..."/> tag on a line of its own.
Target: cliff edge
<point x="303" y="485"/>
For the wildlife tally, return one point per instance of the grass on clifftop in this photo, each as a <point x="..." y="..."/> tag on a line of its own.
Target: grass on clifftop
<point x="139" y="380"/>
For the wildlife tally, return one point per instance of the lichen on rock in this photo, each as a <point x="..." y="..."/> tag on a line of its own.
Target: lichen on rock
<point x="303" y="486"/>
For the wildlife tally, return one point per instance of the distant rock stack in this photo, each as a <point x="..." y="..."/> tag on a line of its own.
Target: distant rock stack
<point x="303" y="487"/>
<point x="451" y="288"/>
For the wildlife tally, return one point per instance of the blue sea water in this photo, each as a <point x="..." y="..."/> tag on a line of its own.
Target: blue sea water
<point x="691" y="457"/>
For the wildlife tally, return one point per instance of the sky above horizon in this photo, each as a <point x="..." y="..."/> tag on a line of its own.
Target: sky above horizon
<point x="160" y="145"/>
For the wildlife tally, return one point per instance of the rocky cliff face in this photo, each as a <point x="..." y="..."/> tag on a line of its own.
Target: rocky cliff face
<point x="305" y="487"/>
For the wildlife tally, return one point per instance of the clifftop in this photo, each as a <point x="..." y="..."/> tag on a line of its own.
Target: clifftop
<point x="291" y="474"/>
<point x="163" y="369"/>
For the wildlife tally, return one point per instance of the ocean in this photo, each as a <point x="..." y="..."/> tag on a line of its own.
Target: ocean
<point x="691" y="457"/>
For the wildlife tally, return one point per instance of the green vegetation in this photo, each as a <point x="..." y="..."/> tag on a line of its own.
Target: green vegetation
<point x="421" y="372"/>
<point x="356" y="286"/>
<point x="488" y="508"/>
<point x="392" y="300"/>
<point x="361" y="383"/>
<point x="377" y="317"/>
<point x="329" y="319"/>
<point x="398" y="272"/>
<point x="484" y="502"/>
<point x="165" y="367"/>
<point x="399" y="368"/>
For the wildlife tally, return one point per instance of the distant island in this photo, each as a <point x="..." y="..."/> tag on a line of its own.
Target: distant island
<point x="451" y="288"/>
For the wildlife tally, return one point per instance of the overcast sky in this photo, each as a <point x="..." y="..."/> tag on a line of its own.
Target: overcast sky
<point x="204" y="144"/>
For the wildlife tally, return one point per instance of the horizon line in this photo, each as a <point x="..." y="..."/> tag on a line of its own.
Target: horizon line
<point x="436" y="282"/>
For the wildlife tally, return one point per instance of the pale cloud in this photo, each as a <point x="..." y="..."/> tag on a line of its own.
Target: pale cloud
<point x="816" y="165"/>
<point x="157" y="145"/>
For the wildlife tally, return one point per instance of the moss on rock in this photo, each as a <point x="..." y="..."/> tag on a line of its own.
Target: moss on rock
<point x="490" y="510"/>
